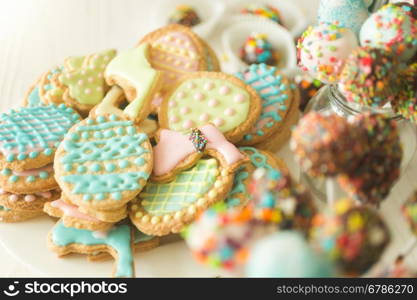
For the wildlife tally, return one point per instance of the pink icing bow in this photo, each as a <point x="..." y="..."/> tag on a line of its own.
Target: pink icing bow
<point x="174" y="147"/>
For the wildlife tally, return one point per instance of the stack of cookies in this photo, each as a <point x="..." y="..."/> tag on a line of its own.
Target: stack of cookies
<point x="166" y="135"/>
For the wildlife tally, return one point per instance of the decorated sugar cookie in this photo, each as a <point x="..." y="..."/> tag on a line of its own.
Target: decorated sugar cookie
<point x="162" y="208"/>
<point x="210" y="97"/>
<point x="177" y="51"/>
<point x="177" y="151"/>
<point x="79" y="83"/>
<point x="277" y="95"/>
<point x="139" y="80"/>
<point x="32" y="97"/>
<point x="30" y="135"/>
<point x="28" y="202"/>
<point x="103" y="162"/>
<point x="118" y="242"/>
<point x="71" y="216"/>
<point x="8" y="215"/>
<point x="239" y="194"/>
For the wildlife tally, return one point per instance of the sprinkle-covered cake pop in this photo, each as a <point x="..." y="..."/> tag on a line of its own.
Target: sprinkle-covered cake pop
<point x="405" y="102"/>
<point x="184" y="15"/>
<point x="349" y="13"/>
<point x="220" y="237"/>
<point x="323" y="50"/>
<point x="409" y="210"/>
<point x="353" y="237"/>
<point x="368" y="77"/>
<point x="325" y="145"/>
<point x="257" y="49"/>
<point x="286" y="254"/>
<point x="391" y="27"/>
<point x="371" y="181"/>
<point x="276" y="199"/>
<point x="263" y="10"/>
<point x="308" y="87"/>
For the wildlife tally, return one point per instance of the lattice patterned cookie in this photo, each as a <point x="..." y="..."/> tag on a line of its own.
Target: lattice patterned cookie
<point x="162" y="208"/>
<point x="211" y="97"/>
<point x="103" y="162"/>
<point x="30" y="135"/>
<point x="277" y="94"/>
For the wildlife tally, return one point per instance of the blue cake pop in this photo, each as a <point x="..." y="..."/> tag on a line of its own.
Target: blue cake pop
<point x="286" y="254"/>
<point x="349" y="13"/>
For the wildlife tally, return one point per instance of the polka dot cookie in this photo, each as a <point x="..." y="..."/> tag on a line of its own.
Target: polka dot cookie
<point x="211" y="97"/>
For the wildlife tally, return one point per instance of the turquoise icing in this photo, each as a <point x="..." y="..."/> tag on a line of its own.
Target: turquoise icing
<point x="286" y="254"/>
<point x="33" y="99"/>
<point x="34" y="127"/>
<point x="117" y="238"/>
<point x="31" y="178"/>
<point x="239" y="187"/>
<point x="3" y="208"/>
<point x="139" y="236"/>
<point x="349" y="13"/>
<point x="108" y="152"/>
<point x="269" y="87"/>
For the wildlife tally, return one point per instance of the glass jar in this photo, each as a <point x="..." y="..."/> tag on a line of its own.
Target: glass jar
<point x="329" y="99"/>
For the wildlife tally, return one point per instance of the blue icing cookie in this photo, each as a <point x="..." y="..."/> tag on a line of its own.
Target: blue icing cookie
<point x="33" y="99"/>
<point x="118" y="238"/>
<point x="103" y="162"/>
<point x="29" y="132"/>
<point x="276" y="94"/>
<point x="349" y="13"/>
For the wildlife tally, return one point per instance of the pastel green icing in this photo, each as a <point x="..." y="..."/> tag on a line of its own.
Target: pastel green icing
<point x="86" y="85"/>
<point x="118" y="238"/>
<point x="132" y="65"/>
<point x="188" y="186"/>
<point x="74" y="62"/>
<point x="185" y="95"/>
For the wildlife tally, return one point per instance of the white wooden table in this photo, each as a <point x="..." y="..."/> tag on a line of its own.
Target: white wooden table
<point x="37" y="34"/>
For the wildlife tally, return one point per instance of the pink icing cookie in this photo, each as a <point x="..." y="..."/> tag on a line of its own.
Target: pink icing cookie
<point x="178" y="151"/>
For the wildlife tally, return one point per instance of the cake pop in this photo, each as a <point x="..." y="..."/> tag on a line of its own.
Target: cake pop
<point x="372" y="179"/>
<point x="322" y="50"/>
<point x="405" y="103"/>
<point x="286" y="254"/>
<point x="350" y="13"/>
<point x="263" y="10"/>
<point x="257" y="49"/>
<point x="353" y="237"/>
<point x="184" y="15"/>
<point x="325" y="145"/>
<point x="308" y="88"/>
<point x="368" y="77"/>
<point x="391" y="27"/>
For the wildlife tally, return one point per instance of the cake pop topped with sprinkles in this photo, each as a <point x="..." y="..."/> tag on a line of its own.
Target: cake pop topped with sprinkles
<point x="405" y="102"/>
<point x="326" y="145"/>
<point x="368" y="77"/>
<point x="391" y="27"/>
<point x="323" y="50"/>
<point x="263" y="10"/>
<point x="257" y="49"/>
<point x="354" y="237"/>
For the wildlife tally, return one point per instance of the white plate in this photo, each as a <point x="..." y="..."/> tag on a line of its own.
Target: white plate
<point x="27" y="242"/>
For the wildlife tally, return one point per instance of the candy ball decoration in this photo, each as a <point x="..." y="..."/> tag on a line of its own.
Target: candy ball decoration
<point x="278" y="200"/>
<point x="405" y="102"/>
<point x="409" y="210"/>
<point x="286" y="254"/>
<point x="220" y="237"/>
<point x="323" y="50"/>
<point x="391" y="28"/>
<point x="257" y="49"/>
<point x="184" y="15"/>
<point x="368" y="77"/>
<point x="349" y="13"/>
<point x="263" y="10"/>
<point x="353" y="237"/>
<point x="308" y="88"/>
<point x="325" y="145"/>
<point x="372" y="179"/>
